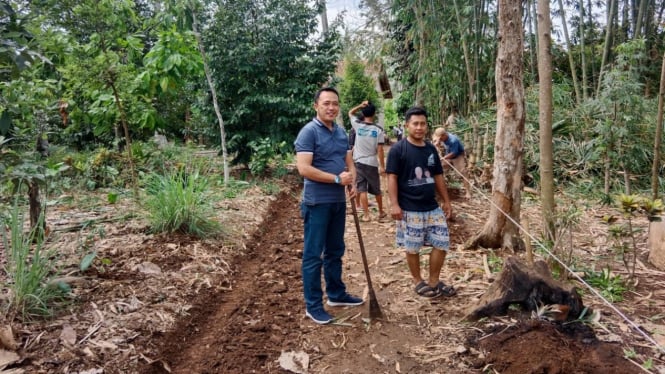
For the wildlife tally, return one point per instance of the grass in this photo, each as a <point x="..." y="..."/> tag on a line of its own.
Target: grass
<point x="29" y="269"/>
<point x="180" y="202"/>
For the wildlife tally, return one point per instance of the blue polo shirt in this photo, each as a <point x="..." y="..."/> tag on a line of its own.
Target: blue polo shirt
<point x="454" y="145"/>
<point x="329" y="150"/>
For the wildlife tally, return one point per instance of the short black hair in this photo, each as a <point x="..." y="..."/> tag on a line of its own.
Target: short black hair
<point x="414" y="111"/>
<point x="325" y="89"/>
<point x="369" y="110"/>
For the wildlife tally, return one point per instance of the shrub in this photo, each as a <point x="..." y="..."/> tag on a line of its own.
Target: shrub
<point x="30" y="270"/>
<point x="180" y="201"/>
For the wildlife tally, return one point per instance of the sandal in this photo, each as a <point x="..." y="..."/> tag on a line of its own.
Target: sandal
<point x="445" y="290"/>
<point x="383" y="216"/>
<point x="423" y="289"/>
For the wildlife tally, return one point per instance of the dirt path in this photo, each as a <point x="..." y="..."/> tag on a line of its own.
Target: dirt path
<point x="174" y="304"/>
<point x="247" y="329"/>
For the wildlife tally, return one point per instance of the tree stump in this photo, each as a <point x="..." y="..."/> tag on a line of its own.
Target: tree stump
<point x="530" y="287"/>
<point x="656" y="243"/>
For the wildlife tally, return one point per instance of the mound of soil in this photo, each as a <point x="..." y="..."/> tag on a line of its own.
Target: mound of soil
<point x="537" y="346"/>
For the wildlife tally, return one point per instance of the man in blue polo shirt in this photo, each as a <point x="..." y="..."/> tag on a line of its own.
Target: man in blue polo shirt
<point x="324" y="159"/>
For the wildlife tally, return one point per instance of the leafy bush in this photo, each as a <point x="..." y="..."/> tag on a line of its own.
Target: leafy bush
<point x="262" y="154"/>
<point x="610" y="286"/>
<point x="30" y="269"/>
<point x="180" y="201"/>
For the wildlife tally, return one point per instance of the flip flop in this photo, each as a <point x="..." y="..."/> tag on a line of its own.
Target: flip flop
<point x="423" y="289"/>
<point x="445" y="290"/>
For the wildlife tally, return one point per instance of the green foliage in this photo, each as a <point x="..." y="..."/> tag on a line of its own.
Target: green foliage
<point x="180" y="201"/>
<point x="427" y="56"/>
<point x="270" y="188"/>
<point x="611" y="287"/>
<point x="390" y="116"/>
<point x="267" y="67"/>
<point x="623" y="235"/>
<point x="15" y="52"/>
<point x="262" y="154"/>
<point x="30" y="267"/>
<point x="86" y="245"/>
<point x="495" y="262"/>
<point x="616" y="119"/>
<point x="356" y="86"/>
<point x="102" y="169"/>
<point x="87" y="261"/>
<point x="234" y="187"/>
<point x="266" y="155"/>
<point x="171" y="67"/>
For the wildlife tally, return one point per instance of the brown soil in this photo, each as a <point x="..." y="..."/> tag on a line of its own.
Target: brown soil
<point x="235" y="306"/>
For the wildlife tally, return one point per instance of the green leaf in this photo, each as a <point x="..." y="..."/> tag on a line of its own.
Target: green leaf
<point x="112" y="197"/>
<point x="87" y="261"/>
<point x="164" y="83"/>
<point x="64" y="287"/>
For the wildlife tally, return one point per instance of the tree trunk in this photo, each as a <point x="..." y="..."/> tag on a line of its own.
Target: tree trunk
<point x="626" y="172"/>
<point x="532" y="40"/>
<point x="545" y="117"/>
<point x="607" y="168"/>
<point x="467" y="57"/>
<point x="213" y="92"/>
<point x="422" y="49"/>
<point x="571" y="61"/>
<point x="530" y="287"/>
<point x="656" y="243"/>
<point x="500" y="229"/>
<point x="655" y="166"/>
<point x="535" y="22"/>
<point x="581" y="28"/>
<point x="612" y="6"/>
<point x="640" y="19"/>
<point x="36" y="210"/>
<point x="125" y="127"/>
<point x="324" y="17"/>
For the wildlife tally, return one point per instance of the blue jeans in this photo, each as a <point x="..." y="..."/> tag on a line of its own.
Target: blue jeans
<point x="324" y="246"/>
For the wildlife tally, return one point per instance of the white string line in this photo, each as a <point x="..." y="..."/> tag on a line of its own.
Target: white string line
<point x="570" y="271"/>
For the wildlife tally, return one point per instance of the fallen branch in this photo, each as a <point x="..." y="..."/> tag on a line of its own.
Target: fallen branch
<point x="90" y="222"/>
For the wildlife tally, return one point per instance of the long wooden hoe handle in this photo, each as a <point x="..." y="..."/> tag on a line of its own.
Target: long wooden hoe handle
<point x="374" y="308"/>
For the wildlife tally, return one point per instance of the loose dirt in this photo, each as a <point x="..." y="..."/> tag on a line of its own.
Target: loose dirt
<point x="172" y="304"/>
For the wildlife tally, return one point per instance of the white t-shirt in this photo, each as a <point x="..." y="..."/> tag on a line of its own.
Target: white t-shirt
<point x="368" y="138"/>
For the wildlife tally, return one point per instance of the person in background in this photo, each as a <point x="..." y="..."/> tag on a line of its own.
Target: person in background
<point x="368" y="157"/>
<point x="323" y="158"/>
<point x="454" y="155"/>
<point x="418" y="217"/>
<point x="398" y="131"/>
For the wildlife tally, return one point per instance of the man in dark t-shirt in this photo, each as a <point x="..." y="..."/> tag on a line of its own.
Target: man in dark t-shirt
<point x="415" y="176"/>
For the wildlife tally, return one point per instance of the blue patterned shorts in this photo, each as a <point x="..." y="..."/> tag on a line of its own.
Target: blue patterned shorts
<point x="419" y="227"/>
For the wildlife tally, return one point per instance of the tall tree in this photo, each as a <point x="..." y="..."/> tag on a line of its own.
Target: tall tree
<point x="267" y="59"/>
<point x="356" y="86"/>
<point x="470" y="77"/>
<point x="545" y="117"/>
<point x="499" y="230"/>
<point x="581" y="29"/>
<point x="569" y="48"/>
<point x="213" y="92"/>
<point x="659" y="134"/>
<point x="607" y="46"/>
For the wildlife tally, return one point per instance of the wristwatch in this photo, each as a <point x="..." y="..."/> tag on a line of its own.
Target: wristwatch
<point x="338" y="180"/>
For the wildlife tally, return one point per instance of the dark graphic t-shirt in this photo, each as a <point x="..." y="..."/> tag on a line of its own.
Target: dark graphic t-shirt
<point x="415" y="167"/>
